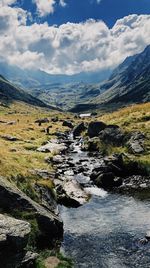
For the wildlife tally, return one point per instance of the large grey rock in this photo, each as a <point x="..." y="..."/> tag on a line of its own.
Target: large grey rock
<point x="135" y="147"/>
<point x="112" y="134"/>
<point x="94" y="128"/>
<point x="136" y="143"/>
<point x="13" y="233"/>
<point x="12" y="198"/>
<point x="53" y="147"/>
<point x="70" y="192"/>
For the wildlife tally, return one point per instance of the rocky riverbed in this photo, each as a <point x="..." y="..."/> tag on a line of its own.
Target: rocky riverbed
<point x="83" y="166"/>
<point x="85" y="179"/>
<point x="110" y="229"/>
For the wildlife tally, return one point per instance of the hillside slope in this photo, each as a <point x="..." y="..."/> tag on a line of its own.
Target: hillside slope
<point x="128" y="84"/>
<point x="10" y="93"/>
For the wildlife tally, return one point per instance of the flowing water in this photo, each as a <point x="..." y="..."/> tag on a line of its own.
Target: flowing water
<point x="105" y="232"/>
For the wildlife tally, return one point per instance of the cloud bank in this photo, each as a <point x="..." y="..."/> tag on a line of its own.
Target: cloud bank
<point x="70" y="48"/>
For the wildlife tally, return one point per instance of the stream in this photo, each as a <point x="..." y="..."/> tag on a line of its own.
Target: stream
<point x="105" y="232"/>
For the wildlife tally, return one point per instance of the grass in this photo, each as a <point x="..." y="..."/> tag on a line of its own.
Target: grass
<point x="133" y="118"/>
<point x="21" y="157"/>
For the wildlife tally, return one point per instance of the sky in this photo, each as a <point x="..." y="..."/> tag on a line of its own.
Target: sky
<point x="72" y="36"/>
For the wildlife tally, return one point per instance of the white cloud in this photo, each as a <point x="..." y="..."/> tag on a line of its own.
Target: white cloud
<point x="62" y="3"/>
<point x="44" y="7"/>
<point x="71" y="47"/>
<point x="7" y="2"/>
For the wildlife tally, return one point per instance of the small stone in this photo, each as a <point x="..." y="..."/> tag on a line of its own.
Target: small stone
<point x="147" y="236"/>
<point x="9" y="138"/>
<point x="52" y="262"/>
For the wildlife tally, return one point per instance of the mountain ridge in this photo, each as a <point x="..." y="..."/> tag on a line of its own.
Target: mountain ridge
<point x="10" y="93"/>
<point x="128" y="84"/>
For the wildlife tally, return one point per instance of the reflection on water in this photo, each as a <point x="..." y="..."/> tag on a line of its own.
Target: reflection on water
<point x="104" y="233"/>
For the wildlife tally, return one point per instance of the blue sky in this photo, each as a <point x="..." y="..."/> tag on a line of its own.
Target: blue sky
<point x="72" y="36"/>
<point x="80" y="10"/>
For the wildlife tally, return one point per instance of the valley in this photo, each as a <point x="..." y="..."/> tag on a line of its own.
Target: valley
<point x="75" y="134"/>
<point x="47" y="169"/>
<point x="73" y="155"/>
<point x="58" y="164"/>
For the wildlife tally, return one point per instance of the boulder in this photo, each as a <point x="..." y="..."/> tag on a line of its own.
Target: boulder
<point x="67" y="123"/>
<point x="135" y="147"/>
<point x="79" y="129"/>
<point x="136" y="143"/>
<point x="13" y="233"/>
<point x="70" y="192"/>
<point x="112" y="134"/>
<point x="94" y="128"/>
<point x="11" y="198"/>
<point x="105" y="180"/>
<point x="53" y="147"/>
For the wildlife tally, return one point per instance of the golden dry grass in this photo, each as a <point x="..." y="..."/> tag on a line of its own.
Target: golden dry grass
<point x="20" y="157"/>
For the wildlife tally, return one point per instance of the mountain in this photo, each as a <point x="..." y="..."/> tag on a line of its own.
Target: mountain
<point x="36" y="78"/>
<point x="128" y="84"/>
<point x="10" y="93"/>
